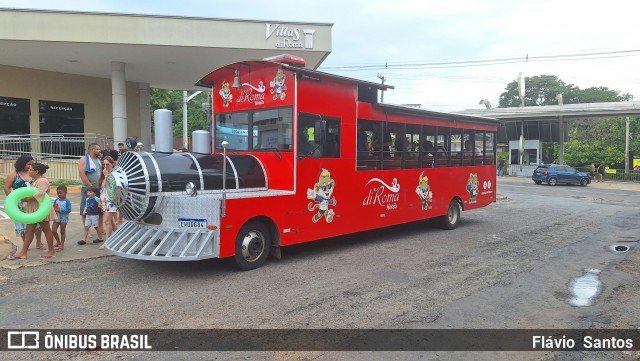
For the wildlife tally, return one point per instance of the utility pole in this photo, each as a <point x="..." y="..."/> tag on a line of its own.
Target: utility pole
<point x="626" y="148"/>
<point x="561" y="144"/>
<point x="382" y="78"/>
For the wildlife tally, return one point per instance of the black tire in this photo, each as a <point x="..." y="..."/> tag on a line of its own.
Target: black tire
<point x="537" y="182"/>
<point x="553" y="181"/>
<point x="451" y="219"/>
<point x="584" y="182"/>
<point x="253" y="245"/>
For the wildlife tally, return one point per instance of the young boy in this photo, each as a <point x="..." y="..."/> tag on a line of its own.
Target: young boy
<point x="62" y="206"/>
<point x="92" y="213"/>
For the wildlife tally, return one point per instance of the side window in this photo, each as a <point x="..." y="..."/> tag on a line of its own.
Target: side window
<point x="272" y="129"/>
<point x="412" y="157"/>
<point x="393" y="145"/>
<point x="489" y="146"/>
<point x="331" y="148"/>
<point x="442" y="146"/>
<point x="306" y="136"/>
<point x="365" y="160"/>
<point x="430" y="153"/>
<point x="455" y="147"/>
<point x="234" y="128"/>
<point x="473" y="145"/>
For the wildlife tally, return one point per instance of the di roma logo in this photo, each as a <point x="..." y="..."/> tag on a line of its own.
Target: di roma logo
<point x="382" y="194"/>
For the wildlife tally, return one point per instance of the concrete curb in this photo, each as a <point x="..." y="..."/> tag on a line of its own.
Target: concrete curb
<point x="70" y="189"/>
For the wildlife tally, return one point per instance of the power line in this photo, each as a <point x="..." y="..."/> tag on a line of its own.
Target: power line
<point x="485" y="62"/>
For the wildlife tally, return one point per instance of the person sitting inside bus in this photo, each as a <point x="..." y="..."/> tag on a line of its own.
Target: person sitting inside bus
<point x="469" y="149"/>
<point x="305" y="146"/>
<point x="362" y="144"/>
<point x="428" y="146"/>
<point x="428" y="152"/>
<point x="380" y="143"/>
<point x="402" y="144"/>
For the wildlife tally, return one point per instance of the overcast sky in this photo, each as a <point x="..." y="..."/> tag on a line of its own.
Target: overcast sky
<point x="462" y="36"/>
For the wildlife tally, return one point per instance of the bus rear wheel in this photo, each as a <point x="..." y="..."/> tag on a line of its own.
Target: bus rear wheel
<point x="451" y="219"/>
<point x="253" y="245"/>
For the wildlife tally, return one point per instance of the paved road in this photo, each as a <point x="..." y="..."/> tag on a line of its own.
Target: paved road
<point x="507" y="266"/>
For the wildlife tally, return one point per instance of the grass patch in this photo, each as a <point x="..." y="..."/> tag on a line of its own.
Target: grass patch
<point x="54" y="183"/>
<point x="65" y="182"/>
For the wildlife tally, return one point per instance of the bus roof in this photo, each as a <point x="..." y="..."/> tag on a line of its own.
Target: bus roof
<point x="207" y="81"/>
<point x="411" y="111"/>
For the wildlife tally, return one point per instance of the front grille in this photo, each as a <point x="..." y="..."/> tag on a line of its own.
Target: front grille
<point x="128" y="186"/>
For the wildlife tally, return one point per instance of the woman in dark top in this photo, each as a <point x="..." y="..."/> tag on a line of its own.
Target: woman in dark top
<point x="19" y="178"/>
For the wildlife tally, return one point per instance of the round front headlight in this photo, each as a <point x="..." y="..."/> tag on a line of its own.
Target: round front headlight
<point x="190" y="189"/>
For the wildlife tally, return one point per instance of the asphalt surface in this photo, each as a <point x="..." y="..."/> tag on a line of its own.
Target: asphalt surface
<point x="9" y="242"/>
<point x="495" y="271"/>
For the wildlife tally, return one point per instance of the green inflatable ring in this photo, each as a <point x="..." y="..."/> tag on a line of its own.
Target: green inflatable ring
<point x="11" y="206"/>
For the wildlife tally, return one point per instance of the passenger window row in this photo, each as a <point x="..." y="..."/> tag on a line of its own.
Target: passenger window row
<point x="388" y="145"/>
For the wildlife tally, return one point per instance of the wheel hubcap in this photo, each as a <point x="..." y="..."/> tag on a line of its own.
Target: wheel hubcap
<point x="453" y="215"/>
<point x="252" y="246"/>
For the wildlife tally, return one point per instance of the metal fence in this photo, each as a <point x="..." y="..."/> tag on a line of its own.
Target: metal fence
<point x="59" y="151"/>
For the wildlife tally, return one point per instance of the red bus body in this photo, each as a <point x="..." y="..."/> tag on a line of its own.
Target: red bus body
<point x="298" y="155"/>
<point x="359" y="194"/>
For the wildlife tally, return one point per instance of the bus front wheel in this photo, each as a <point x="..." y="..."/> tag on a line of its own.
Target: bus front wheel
<point x="451" y="219"/>
<point x="253" y="245"/>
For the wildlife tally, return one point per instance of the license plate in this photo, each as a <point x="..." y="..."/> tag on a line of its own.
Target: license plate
<point x="192" y="223"/>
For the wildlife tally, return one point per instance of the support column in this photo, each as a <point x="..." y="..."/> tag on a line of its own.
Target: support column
<point x="145" y="116"/>
<point x="561" y="144"/>
<point x="119" y="102"/>
<point x="626" y="147"/>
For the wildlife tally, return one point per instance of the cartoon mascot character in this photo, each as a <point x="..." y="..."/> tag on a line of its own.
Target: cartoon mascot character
<point x="225" y="93"/>
<point x="424" y="191"/>
<point x="321" y="194"/>
<point x="277" y="85"/>
<point x="472" y="187"/>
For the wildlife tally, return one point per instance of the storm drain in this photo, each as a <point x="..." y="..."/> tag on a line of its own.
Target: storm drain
<point x="616" y="248"/>
<point x="585" y="288"/>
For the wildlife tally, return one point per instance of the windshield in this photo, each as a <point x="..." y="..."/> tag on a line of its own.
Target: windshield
<point x="270" y="129"/>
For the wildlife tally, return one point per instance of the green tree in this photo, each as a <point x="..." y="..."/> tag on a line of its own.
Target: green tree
<point x="600" y="143"/>
<point x="543" y="89"/>
<point x="197" y="117"/>
<point x="539" y="90"/>
<point x="590" y="140"/>
<point x="601" y="95"/>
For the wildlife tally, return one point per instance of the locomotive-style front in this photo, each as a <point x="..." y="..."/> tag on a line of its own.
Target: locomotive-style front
<point x="172" y="202"/>
<point x="175" y="203"/>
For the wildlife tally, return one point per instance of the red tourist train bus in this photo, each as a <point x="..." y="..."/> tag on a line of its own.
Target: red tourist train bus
<point x="309" y="155"/>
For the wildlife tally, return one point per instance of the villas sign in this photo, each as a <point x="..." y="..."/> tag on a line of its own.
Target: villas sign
<point x="287" y="36"/>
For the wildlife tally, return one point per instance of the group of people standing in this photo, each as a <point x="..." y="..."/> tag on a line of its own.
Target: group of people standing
<point x="597" y="172"/>
<point x="95" y="207"/>
<point x="29" y="173"/>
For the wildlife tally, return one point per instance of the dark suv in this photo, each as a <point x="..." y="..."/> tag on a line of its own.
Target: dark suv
<point x="556" y="173"/>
